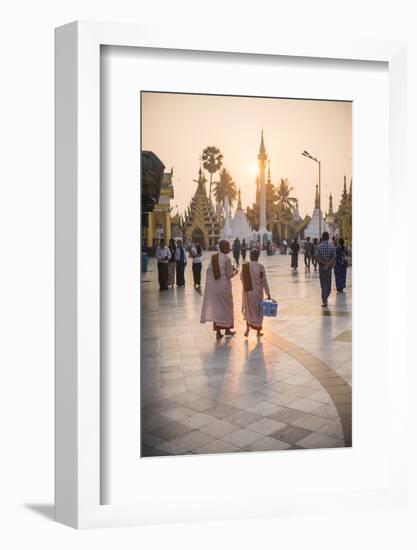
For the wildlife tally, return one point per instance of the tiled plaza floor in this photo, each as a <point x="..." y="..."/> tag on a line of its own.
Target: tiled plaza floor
<point x="291" y="389"/>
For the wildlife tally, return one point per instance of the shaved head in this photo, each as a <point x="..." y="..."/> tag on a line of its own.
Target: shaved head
<point x="224" y="246"/>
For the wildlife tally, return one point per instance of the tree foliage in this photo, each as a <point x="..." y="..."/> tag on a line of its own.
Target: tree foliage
<point x="225" y="187"/>
<point x="212" y="161"/>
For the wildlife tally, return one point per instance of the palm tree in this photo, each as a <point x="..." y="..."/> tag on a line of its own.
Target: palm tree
<point x="212" y="162"/>
<point x="284" y="201"/>
<point x="225" y="189"/>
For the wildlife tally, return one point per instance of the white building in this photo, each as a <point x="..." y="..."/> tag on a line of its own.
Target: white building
<point x="239" y="225"/>
<point x="314" y="228"/>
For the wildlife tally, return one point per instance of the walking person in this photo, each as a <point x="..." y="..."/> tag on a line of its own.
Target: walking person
<point x="180" y="263"/>
<point x="163" y="255"/>
<point x="314" y="259"/>
<point x="218" y="297"/>
<point x="254" y="284"/>
<point x="340" y="267"/>
<point x="326" y="255"/>
<point x="243" y="249"/>
<point x="195" y="254"/>
<point x="236" y="250"/>
<point x="308" y="253"/>
<point x="285" y="245"/>
<point x="295" y="249"/>
<point x="171" y="263"/>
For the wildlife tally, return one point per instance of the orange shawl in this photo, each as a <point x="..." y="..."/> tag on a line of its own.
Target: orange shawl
<point x="246" y="277"/>
<point x="215" y="266"/>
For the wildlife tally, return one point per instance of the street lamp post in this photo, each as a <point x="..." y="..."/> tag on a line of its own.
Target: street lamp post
<point x="307" y="155"/>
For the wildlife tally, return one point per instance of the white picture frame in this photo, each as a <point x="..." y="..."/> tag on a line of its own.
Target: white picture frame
<point x="78" y="405"/>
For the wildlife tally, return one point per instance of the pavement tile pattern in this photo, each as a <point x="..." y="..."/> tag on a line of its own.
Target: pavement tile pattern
<point x="289" y="390"/>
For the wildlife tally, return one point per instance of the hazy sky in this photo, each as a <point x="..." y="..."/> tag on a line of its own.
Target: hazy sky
<point x="177" y="127"/>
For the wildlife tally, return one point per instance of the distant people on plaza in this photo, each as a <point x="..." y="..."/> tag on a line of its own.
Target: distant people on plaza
<point x="326" y="255"/>
<point x="243" y="249"/>
<point x="268" y="246"/>
<point x="171" y="263"/>
<point x="180" y="263"/>
<point x="163" y="255"/>
<point x="341" y="265"/>
<point x="218" y="297"/>
<point x="308" y="253"/>
<point x="295" y="249"/>
<point x="274" y="248"/>
<point x="285" y="245"/>
<point x="254" y="284"/>
<point x="195" y="255"/>
<point x="236" y="250"/>
<point x="314" y="258"/>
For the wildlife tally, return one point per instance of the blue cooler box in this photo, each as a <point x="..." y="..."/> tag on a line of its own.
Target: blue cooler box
<point x="269" y="308"/>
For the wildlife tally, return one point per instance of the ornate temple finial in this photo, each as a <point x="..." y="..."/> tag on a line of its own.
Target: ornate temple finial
<point x="239" y="201"/>
<point x="262" y="146"/>
<point x="201" y="181"/>
<point x="330" y="204"/>
<point x="317" y="199"/>
<point x="257" y="184"/>
<point x="344" y="187"/>
<point x="269" y="171"/>
<point x="350" y="188"/>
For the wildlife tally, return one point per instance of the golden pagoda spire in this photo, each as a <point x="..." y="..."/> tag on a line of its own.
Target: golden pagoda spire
<point x="269" y="171"/>
<point x="317" y="199"/>
<point x="344" y="194"/>
<point x="330" y="204"/>
<point x="239" y="201"/>
<point x="201" y="187"/>
<point x="262" y="146"/>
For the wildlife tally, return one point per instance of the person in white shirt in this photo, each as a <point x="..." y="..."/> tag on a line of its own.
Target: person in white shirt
<point x="195" y="254"/>
<point x="163" y="255"/>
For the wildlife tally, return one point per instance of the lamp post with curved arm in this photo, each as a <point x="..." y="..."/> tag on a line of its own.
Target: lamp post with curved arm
<point x="307" y="155"/>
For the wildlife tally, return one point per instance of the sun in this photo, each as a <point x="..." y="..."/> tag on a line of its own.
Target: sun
<point x="254" y="169"/>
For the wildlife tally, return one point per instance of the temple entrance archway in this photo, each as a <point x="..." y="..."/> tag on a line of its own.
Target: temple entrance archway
<point x="198" y="235"/>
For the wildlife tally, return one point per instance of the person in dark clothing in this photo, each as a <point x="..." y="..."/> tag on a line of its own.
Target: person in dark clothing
<point x="163" y="255"/>
<point x="340" y="267"/>
<point x="180" y="263"/>
<point x="195" y="254"/>
<point x="171" y="264"/>
<point x="308" y="253"/>
<point x="295" y="249"/>
<point x="236" y="250"/>
<point x="325" y="255"/>
<point x="243" y="249"/>
<point x="314" y="259"/>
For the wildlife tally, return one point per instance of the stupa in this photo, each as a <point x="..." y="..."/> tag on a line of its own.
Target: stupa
<point x="201" y="221"/>
<point x="262" y="234"/>
<point x="240" y="226"/>
<point x="314" y="227"/>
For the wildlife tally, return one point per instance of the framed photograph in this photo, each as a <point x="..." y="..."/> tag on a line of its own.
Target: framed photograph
<point x="222" y="349"/>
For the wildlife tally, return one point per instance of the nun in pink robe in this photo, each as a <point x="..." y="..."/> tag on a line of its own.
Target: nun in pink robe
<point x="254" y="284"/>
<point x="218" y="297"/>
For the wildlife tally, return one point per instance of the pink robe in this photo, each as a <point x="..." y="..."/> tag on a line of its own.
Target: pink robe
<point x="218" y="297"/>
<point x="251" y="299"/>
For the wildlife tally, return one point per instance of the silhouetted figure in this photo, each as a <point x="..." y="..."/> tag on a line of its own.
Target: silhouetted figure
<point x="325" y="255"/>
<point x="295" y="249"/>
<point x="340" y="267"/>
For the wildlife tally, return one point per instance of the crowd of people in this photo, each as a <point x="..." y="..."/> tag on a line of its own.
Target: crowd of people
<point x="324" y="255"/>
